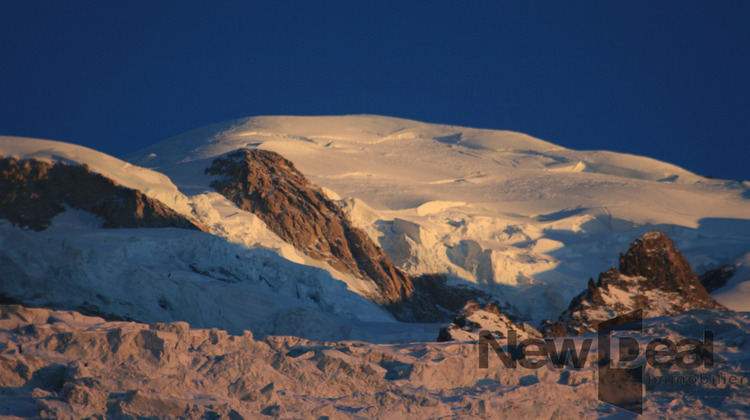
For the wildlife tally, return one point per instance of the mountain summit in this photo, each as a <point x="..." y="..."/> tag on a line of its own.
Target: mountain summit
<point x="321" y="226"/>
<point x="653" y="276"/>
<point x="515" y="214"/>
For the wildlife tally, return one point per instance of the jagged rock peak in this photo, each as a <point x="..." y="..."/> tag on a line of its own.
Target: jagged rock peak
<point x="268" y="185"/>
<point x="473" y="318"/>
<point x="33" y="192"/>
<point x="654" y="257"/>
<point x="653" y="276"/>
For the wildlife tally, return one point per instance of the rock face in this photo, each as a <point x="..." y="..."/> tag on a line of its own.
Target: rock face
<point x="33" y="192"/>
<point x="269" y="186"/>
<point x="435" y="300"/>
<point x="715" y="279"/>
<point x="653" y="276"/>
<point x="474" y="318"/>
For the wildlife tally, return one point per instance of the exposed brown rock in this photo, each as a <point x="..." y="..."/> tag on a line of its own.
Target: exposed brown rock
<point x="653" y="276"/>
<point x="551" y="328"/>
<point x="655" y="258"/>
<point x="434" y="300"/>
<point x="33" y="192"/>
<point x="269" y="186"/>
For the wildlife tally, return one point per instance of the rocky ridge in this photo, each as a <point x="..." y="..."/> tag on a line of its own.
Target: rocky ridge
<point x="269" y="186"/>
<point x="33" y="192"/>
<point x="435" y="299"/>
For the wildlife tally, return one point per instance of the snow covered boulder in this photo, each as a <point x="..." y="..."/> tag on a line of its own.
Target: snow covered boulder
<point x="473" y="319"/>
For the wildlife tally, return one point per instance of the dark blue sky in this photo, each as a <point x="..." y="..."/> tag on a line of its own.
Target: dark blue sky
<point x="668" y="79"/>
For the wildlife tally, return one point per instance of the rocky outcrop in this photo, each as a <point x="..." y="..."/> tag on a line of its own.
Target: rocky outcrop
<point x="474" y="318"/>
<point x="266" y="184"/>
<point x="653" y="276"/>
<point x="435" y="300"/>
<point x="33" y="192"/>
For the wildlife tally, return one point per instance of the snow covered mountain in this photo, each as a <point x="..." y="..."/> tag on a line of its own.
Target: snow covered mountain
<point x="501" y="215"/>
<point x="160" y="272"/>
<point x="296" y="235"/>
<point x="518" y="215"/>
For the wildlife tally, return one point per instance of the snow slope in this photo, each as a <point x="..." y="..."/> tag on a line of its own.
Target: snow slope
<point x="525" y="217"/>
<point x="736" y="293"/>
<point x="222" y="217"/>
<point x="167" y="274"/>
